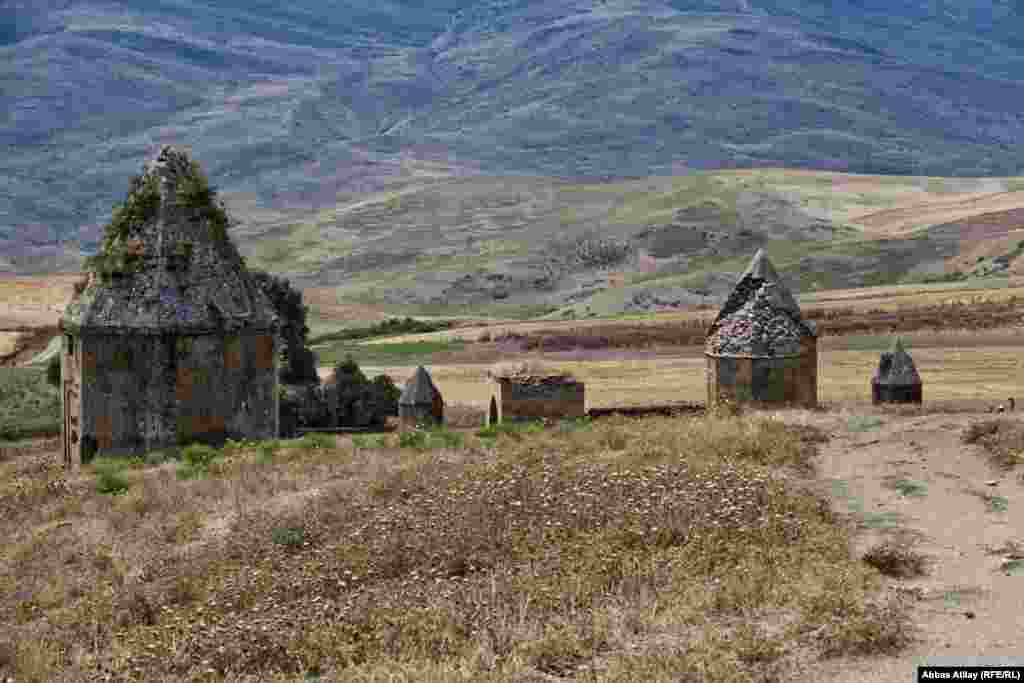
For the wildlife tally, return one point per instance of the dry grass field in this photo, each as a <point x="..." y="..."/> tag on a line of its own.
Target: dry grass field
<point x="887" y="206"/>
<point x="34" y="301"/>
<point x="983" y="375"/>
<point x="616" y="551"/>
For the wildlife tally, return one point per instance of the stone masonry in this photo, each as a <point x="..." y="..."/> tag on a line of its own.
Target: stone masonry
<point x="896" y="380"/>
<point x="759" y="349"/>
<point x="171" y="341"/>
<point x="420" y="402"/>
<point x="523" y="396"/>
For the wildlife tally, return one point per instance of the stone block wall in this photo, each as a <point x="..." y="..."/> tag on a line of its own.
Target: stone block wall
<point x="788" y="380"/>
<point x="895" y="393"/>
<point x="143" y="392"/>
<point x="534" y="400"/>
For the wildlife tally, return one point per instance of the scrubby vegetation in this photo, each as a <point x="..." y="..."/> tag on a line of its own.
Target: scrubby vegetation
<point x="298" y="364"/>
<point x="385" y="328"/>
<point x="1002" y="438"/>
<point x="140" y="206"/>
<point x="619" y="550"/>
<point x="29" y="404"/>
<point x="195" y="192"/>
<point x="346" y="399"/>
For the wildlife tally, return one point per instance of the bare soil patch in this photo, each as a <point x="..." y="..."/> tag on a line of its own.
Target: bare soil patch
<point x="941" y="516"/>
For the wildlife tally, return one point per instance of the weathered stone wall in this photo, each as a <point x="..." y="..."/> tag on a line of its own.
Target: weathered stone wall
<point x="141" y="392"/>
<point x="896" y="393"/>
<point x="534" y="400"/>
<point x="788" y="380"/>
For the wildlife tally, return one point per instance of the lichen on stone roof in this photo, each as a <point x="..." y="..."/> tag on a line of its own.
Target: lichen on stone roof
<point x="419" y="390"/>
<point x="761" y="318"/>
<point x="530" y="372"/>
<point x="166" y="263"/>
<point x="896" y="367"/>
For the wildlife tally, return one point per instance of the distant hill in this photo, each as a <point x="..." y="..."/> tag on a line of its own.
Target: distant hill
<point x="308" y="114"/>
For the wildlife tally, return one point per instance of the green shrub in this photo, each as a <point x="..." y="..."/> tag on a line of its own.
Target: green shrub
<point x="266" y="451"/>
<point x="196" y="460"/>
<point x="110" y="477"/>
<point x="446" y="438"/>
<point x="289" y="537"/>
<point x="317" y="440"/>
<point x="416" y="438"/>
<point x="386" y="328"/>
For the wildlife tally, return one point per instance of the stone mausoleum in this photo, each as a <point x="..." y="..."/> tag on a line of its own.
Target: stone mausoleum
<point x="420" y="402"/>
<point x="171" y="341"/>
<point x="896" y="380"/>
<point x="521" y="393"/>
<point x="759" y="349"/>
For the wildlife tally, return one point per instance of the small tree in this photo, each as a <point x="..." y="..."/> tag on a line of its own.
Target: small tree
<point x="354" y="401"/>
<point x="298" y="362"/>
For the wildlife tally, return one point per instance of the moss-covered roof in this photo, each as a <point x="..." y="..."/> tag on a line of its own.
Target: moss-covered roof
<point x="761" y="318"/>
<point x="167" y="263"/>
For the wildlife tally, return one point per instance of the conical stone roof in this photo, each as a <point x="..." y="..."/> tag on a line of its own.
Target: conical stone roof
<point x="419" y="390"/>
<point x="761" y="318"/>
<point x="167" y="264"/>
<point x="896" y="367"/>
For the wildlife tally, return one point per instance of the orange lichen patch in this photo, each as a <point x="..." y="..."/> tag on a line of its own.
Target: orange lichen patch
<point x="185" y="385"/>
<point x="264" y="352"/>
<point x="104" y="431"/>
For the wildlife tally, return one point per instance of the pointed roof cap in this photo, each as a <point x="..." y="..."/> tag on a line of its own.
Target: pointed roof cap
<point x="761" y="269"/>
<point x="761" y="318"/>
<point x="419" y="390"/>
<point x="896" y="367"/>
<point x="167" y="263"/>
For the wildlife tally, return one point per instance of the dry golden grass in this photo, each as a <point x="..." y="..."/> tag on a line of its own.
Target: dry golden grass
<point x="8" y="342"/>
<point x="618" y="550"/>
<point x="34" y="301"/>
<point x="949" y="374"/>
<point x="888" y="206"/>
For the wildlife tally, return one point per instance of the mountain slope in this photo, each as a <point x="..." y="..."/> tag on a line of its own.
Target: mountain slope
<point x="294" y="108"/>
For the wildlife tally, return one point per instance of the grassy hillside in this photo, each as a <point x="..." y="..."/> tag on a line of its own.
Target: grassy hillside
<point x="511" y="246"/>
<point x="293" y="110"/>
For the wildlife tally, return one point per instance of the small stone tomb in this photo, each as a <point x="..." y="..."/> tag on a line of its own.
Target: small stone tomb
<point x="896" y="380"/>
<point x="420" y="402"/>
<point x="531" y="392"/>
<point x="759" y="349"/>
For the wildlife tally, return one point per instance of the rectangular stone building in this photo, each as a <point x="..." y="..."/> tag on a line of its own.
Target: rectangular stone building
<point x="172" y="341"/>
<point x="517" y="396"/>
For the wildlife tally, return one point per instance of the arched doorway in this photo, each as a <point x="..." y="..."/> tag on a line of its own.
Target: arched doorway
<point x="492" y="415"/>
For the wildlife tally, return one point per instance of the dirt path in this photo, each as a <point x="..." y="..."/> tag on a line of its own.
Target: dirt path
<point x="911" y="475"/>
